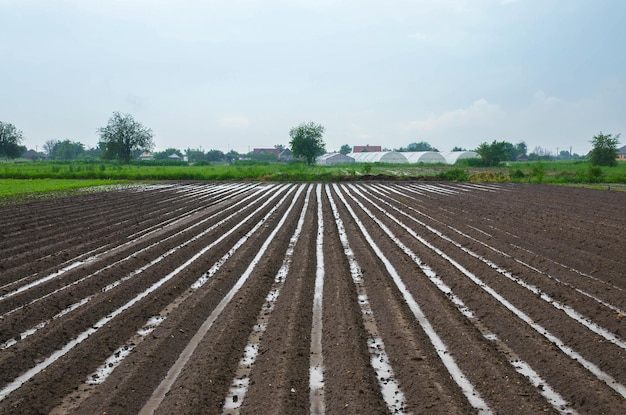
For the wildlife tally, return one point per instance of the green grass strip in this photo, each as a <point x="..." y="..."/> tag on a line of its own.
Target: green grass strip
<point x="19" y="187"/>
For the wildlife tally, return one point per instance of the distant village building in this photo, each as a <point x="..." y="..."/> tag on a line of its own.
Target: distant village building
<point x="146" y="155"/>
<point x="33" y="155"/>
<point x="334" y="158"/>
<point x="266" y="150"/>
<point x="621" y="154"/>
<point x="285" y="156"/>
<point x="366" y="148"/>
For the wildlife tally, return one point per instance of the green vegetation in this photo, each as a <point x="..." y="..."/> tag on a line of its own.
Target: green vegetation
<point x="307" y="141"/>
<point x="17" y="187"/>
<point x="604" y="152"/>
<point x="33" y="177"/>
<point x="122" y="136"/>
<point x="10" y="140"/>
<point x="493" y="154"/>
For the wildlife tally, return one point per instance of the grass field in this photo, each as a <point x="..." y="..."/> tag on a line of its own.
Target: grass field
<point x="10" y="188"/>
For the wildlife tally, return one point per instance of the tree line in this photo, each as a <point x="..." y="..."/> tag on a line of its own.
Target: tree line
<point x="124" y="139"/>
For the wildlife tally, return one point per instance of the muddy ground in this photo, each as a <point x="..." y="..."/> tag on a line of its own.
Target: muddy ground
<point x="202" y="298"/>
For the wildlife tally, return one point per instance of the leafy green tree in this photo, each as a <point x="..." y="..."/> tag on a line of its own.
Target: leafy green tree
<point x="66" y="150"/>
<point x="48" y="147"/>
<point x="122" y="136"/>
<point x="232" y="155"/>
<point x="93" y="153"/>
<point x="307" y="141"/>
<point x="421" y="146"/>
<point x="458" y="149"/>
<point x="215" y="155"/>
<point x="521" y="148"/>
<point x="195" y="155"/>
<point x="10" y="139"/>
<point x="345" y="149"/>
<point x="494" y="153"/>
<point x="516" y="150"/>
<point x="604" y="151"/>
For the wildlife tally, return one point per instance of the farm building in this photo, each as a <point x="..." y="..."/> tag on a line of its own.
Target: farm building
<point x="334" y="158"/>
<point x="266" y="150"/>
<point x="285" y="156"/>
<point x="366" y="148"/>
<point x="424" y="157"/>
<point x="453" y="156"/>
<point x="146" y="155"/>
<point x="621" y="154"/>
<point x="379" y="157"/>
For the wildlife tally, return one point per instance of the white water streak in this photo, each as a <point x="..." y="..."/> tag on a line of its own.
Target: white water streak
<point x="316" y="368"/>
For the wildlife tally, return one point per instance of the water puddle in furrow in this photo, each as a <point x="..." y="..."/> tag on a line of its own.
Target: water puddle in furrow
<point x="239" y="385"/>
<point x="390" y="389"/>
<point x="468" y="389"/>
<point x="84" y="390"/>
<point x="316" y="365"/>
<point x="113" y="361"/>
<point x="520" y="366"/>
<point x="571" y="353"/>
<point x="33" y="330"/>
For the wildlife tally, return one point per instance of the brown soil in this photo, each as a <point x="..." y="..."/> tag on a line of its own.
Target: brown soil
<point x="69" y="262"/>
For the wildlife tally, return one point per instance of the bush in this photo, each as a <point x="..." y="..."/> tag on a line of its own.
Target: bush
<point x="538" y="172"/>
<point x="594" y="174"/>
<point x="454" y="175"/>
<point x="516" y="174"/>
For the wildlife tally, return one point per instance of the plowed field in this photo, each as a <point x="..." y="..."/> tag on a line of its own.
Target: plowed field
<point x="315" y="299"/>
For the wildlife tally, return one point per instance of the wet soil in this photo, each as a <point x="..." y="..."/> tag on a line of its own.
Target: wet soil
<point x="505" y="275"/>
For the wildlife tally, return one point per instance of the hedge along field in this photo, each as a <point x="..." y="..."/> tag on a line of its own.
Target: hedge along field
<point x="567" y="171"/>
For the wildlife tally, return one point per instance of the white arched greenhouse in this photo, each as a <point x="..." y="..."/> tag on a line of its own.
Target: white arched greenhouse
<point x="379" y="157"/>
<point x="424" y="157"/>
<point x="453" y="156"/>
<point x="334" y="158"/>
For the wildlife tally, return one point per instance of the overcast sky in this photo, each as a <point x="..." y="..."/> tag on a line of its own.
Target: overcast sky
<point x="239" y="74"/>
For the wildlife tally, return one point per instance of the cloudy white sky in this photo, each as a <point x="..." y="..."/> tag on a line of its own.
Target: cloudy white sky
<point x="239" y="74"/>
